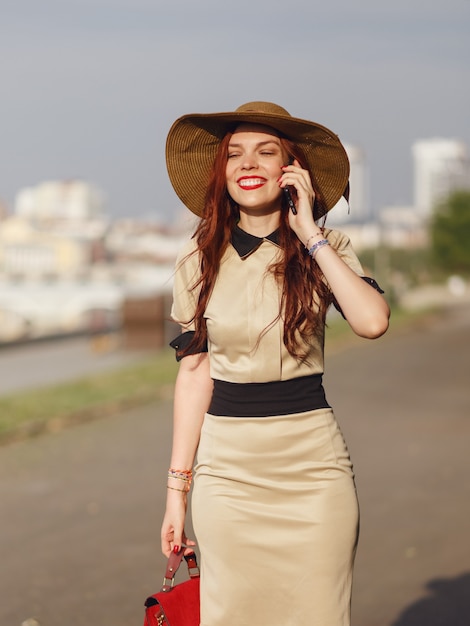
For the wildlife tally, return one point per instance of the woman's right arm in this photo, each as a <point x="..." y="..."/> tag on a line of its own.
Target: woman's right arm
<point x="193" y="391"/>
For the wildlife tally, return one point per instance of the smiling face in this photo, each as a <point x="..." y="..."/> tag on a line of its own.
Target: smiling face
<point x="254" y="160"/>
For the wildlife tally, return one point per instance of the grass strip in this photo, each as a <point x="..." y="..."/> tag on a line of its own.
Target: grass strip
<point x="47" y="409"/>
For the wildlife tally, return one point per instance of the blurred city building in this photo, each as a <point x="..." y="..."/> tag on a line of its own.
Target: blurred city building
<point x="3" y="210"/>
<point x="441" y="166"/>
<point x="29" y="249"/>
<point x="67" y="267"/>
<point x="402" y="227"/>
<point x="137" y="240"/>
<point x="60" y="200"/>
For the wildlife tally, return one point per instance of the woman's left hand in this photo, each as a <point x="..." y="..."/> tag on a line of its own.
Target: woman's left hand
<point x="300" y="184"/>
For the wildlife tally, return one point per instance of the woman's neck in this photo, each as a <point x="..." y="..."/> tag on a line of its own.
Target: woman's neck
<point x="259" y="225"/>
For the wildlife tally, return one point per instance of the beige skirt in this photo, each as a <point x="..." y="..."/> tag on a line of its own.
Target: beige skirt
<point x="275" y="516"/>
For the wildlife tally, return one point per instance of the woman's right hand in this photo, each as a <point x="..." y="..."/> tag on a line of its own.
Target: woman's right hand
<point x="172" y="533"/>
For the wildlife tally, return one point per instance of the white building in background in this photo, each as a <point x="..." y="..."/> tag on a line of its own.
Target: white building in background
<point x="73" y="200"/>
<point x="358" y="210"/>
<point x="440" y="167"/>
<point x="29" y="252"/>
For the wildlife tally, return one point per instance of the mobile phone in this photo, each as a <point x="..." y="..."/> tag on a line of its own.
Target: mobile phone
<point x="287" y="193"/>
<point x="290" y="201"/>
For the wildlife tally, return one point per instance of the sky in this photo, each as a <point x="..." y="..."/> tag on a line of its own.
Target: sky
<point x="90" y="88"/>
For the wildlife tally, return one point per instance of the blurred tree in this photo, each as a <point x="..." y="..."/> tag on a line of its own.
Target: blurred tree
<point x="450" y="233"/>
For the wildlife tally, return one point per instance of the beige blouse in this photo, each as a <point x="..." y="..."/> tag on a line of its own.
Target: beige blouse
<point x="244" y="327"/>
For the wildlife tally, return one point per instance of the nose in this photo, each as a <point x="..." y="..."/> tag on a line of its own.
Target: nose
<point x="249" y="162"/>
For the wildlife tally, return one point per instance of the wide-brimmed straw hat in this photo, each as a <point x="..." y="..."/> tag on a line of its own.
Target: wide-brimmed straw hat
<point x="193" y="141"/>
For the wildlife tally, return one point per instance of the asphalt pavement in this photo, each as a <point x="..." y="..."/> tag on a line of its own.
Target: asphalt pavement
<point x="80" y="509"/>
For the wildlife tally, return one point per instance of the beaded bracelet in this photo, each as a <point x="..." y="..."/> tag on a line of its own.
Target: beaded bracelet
<point x="182" y="474"/>
<point x="185" y="476"/>
<point x="319" y="234"/>
<point x="316" y="246"/>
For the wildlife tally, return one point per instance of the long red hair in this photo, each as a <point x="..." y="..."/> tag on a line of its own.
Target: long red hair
<point x="305" y="297"/>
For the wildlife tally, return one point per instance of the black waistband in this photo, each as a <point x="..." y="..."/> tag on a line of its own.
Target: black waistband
<point x="272" y="398"/>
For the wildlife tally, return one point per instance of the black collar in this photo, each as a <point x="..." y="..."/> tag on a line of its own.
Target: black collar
<point x="245" y="244"/>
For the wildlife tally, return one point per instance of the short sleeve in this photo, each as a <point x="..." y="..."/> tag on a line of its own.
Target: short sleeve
<point x="184" y="296"/>
<point x="182" y="345"/>
<point x="342" y="244"/>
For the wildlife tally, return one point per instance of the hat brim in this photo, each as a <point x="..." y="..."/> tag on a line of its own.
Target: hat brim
<point x="194" y="139"/>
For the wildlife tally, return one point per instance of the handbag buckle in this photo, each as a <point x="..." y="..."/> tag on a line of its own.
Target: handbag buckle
<point x="168" y="583"/>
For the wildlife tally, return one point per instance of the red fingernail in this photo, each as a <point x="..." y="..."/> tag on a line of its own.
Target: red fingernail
<point x="176" y="549"/>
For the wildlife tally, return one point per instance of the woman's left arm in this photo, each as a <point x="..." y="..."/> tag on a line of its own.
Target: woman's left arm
<point x="365" y="309"/>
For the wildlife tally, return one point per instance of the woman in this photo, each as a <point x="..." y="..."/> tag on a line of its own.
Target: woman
<point x="274" y="503"/>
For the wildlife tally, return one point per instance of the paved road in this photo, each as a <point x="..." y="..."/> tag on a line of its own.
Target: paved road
<point x="80" y="510"/>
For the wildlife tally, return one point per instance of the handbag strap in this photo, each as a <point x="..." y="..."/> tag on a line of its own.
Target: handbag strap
<point x="173" y="563"/>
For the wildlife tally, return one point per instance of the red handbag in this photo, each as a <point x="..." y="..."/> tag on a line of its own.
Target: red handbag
<point x="175" y="605"/>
